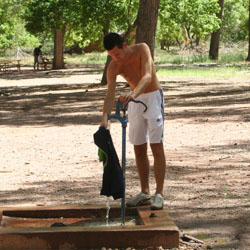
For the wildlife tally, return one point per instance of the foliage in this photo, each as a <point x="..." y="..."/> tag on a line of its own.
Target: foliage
<point x="235" y="20"/>
<point x="187" y="19"/>
<point x="29" y="22"/>
<point x="103" y="16"/>
<point x="12" y="31"/>
<point x="6" y="25"/>
<point x="85" y="21"/>
<point x="168" y="29"/>
<point x="46" y="16"/>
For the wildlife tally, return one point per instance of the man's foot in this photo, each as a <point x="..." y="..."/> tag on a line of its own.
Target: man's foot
<point x="139" y="200"/>
<point x="157" y="202"/>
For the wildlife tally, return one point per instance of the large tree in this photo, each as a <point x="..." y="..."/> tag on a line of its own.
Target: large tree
<point x="51" y="17"/>
<point x="116" y="16"/>
<point x="215" y="37"/>
<point x="190" y="20"/>
<point x="147" y="22"/>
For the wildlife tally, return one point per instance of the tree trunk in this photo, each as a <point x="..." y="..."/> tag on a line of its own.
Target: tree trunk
<point x="109" y="58"/>
<point x="147" y="21"/>
<point x="58" y="62"/>
<point x="215" y="37"/>
<point x="248" y="57"/>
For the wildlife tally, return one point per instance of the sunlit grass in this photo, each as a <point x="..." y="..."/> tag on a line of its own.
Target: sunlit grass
<point x="205" y="72"/>
<point x="233" y="56"/>
<point x="95" y="58"/>
<point x="184" y="57"/>
<point x="162" y="57"/>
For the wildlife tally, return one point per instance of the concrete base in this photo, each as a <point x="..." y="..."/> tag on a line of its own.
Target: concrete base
<point x="30" y="228"/>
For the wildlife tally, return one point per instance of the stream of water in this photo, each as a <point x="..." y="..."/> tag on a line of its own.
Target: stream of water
<point x="107" y="208"/>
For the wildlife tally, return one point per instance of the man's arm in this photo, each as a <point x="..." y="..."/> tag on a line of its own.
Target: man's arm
<point x="110" y="96"/>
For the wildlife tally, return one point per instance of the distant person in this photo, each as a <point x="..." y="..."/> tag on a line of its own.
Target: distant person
<point x="43" y="60"/>
<point x="37" y="51"/>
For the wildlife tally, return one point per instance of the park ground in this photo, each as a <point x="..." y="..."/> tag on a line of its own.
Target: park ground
<point x="48" y="157"/>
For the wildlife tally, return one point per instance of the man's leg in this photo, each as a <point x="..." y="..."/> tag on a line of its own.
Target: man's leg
<point x="159" y="166"/>
<point x="142" y="164"/>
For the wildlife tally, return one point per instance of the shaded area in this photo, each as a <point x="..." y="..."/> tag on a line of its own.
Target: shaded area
<point x="73" y="103"/>
<point x="52" y="105"/>
<point x="40" y="192"/>
<point x="198" y="101"/>
<point x="31" y="74"/>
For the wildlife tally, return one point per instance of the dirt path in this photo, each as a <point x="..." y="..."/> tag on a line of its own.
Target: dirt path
<point x="47" y="121"/>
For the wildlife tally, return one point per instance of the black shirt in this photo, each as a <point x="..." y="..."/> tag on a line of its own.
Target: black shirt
<point x="112" y="183"/>
<point x="37" y="51"/>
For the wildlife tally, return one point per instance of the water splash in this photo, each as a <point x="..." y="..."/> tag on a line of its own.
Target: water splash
<point x="107" y="209"/>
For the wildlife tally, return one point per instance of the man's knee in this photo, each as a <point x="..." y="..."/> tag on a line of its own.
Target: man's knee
<point x="157" y="149"/>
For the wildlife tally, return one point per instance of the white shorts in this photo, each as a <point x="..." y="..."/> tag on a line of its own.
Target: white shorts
<point x="148" y="125"/>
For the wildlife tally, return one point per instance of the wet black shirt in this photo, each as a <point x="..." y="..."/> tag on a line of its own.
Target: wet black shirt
<point x="112" y="183"/>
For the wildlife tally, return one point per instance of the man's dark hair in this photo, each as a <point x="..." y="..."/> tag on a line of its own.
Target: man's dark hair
<point x="111" y="40"/>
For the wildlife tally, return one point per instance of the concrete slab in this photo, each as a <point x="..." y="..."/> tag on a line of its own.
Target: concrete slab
<point x="31" y="228"/>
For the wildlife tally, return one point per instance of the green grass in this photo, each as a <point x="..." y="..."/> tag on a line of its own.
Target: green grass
<point x="185" y="57"/>
<point x="95" y="58"/>
<point x="231" y="63"/>
<point x="161" y="57"/>
<point x="233" y="56"/>
<point x="205" y="72"/>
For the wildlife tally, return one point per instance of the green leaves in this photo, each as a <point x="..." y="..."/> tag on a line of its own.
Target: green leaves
<point x="47" y="15"/>
<point x="86" y="20"/>
<point x="9" y="23"/>
<point x="196" y="18"/>
<point x="235" y="20"/>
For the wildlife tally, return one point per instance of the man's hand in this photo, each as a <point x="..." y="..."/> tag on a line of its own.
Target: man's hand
<point x="126" y="98"/>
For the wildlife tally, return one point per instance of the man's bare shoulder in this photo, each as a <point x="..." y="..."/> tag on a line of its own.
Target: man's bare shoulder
<point x="139" y="47"/>
<point x="113" y="68"/>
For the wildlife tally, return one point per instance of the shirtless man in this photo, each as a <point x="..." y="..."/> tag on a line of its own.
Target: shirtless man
<point x="134" y="63"/>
